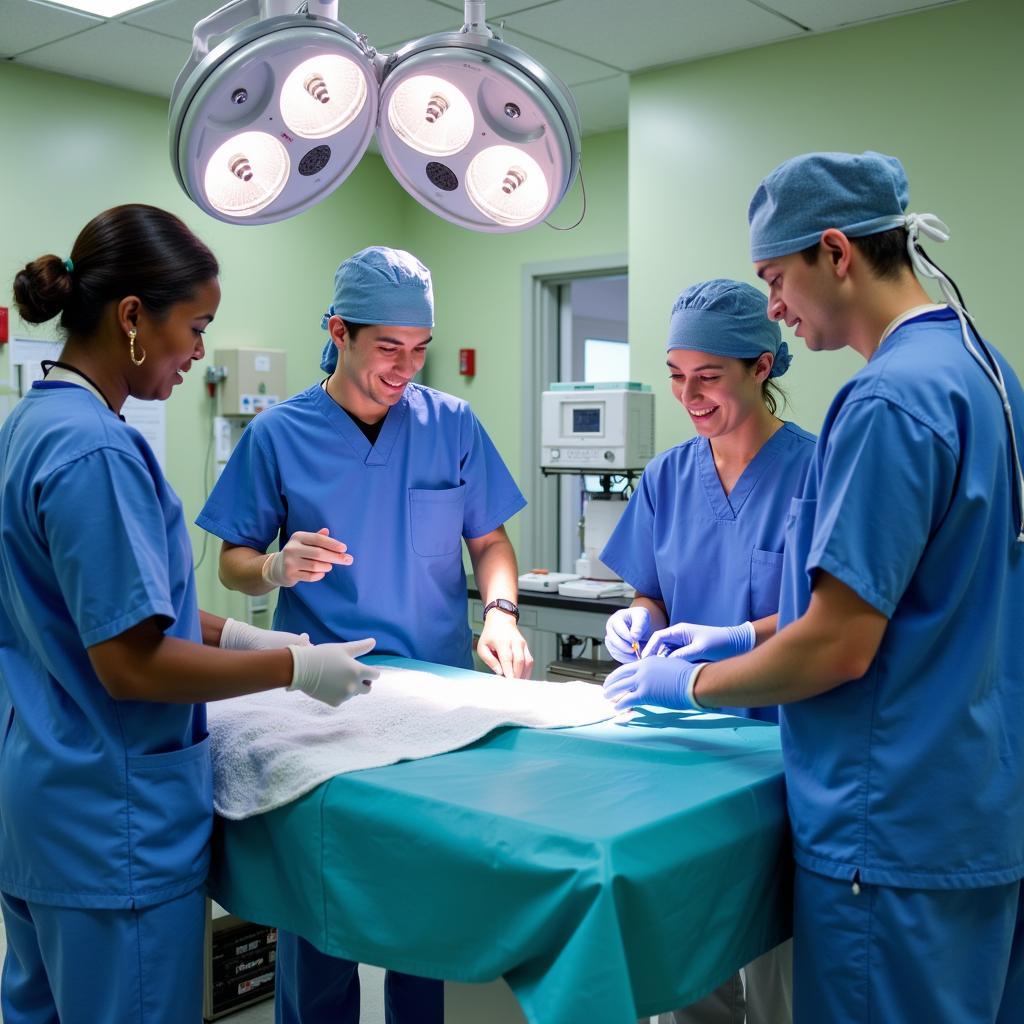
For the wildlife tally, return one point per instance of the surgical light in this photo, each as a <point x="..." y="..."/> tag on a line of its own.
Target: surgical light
<point x="507" y="157"/>
<point x="273" y="118"/>
<point x="473" y="128"/>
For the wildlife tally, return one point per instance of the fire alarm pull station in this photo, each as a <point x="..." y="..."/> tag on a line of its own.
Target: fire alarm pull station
<point x="3" y="325"/>
<point x="467" y="362"/>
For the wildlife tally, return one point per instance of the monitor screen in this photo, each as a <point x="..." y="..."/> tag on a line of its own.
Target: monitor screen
<point x="586" y="420"/>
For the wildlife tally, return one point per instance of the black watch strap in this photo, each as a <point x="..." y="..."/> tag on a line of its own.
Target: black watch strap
<point x="506" y="606"/>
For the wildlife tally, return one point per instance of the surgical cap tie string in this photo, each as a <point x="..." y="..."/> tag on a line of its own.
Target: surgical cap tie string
<point x="930" y="225"/>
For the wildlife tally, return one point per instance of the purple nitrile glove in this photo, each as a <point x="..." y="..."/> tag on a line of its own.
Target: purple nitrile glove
<point x="661" y="682"/>
<point x="701" y="643"/>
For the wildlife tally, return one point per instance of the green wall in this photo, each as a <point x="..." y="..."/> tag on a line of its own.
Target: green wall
<point x="942" y="90"/>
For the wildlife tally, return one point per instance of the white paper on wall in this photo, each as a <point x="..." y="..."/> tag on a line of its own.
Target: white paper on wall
<point x="150" y="420"/>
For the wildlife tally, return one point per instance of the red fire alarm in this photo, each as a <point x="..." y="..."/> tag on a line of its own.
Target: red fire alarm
<point x="467" y="362"/>
<point x="3" y="325"/>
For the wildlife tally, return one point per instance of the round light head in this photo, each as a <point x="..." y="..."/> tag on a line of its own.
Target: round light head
<point x="430" y="115"/>
<point x="478" y="132"/>
<point x="245" y="174"/>
<point x="272" y="120"/>
<point x="506" y="184"/>
<point x="323" y="96"/>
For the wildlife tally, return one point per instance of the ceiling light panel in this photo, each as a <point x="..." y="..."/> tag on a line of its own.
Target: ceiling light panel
<point x="102" y="8"/>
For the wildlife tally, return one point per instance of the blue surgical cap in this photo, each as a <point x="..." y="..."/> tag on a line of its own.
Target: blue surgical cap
<point x="379" y="286"/>
<point x="860" y="194"/>
<point x="727" y="318"/>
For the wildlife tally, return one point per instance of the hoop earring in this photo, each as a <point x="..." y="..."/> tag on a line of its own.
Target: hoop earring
<point x="131" y="348"/>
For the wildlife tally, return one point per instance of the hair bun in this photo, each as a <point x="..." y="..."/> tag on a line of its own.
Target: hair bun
<point x="42" y="289"/>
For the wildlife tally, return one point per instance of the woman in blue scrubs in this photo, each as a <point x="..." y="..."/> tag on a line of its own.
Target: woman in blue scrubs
<point x="898" y="662"/>
<point x="702" y="538"/>
<point x="370" y="483"/>
<point x="105" y="779"/>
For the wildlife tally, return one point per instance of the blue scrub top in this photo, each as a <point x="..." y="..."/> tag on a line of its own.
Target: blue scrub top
<point x="103" y="803"/>
<point x="712" y="558"/>
<point x="913" y="774"/>
<point x="402" y="505"/>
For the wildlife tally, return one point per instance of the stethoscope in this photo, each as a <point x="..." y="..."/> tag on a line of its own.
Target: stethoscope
<point x="930" y="225"/>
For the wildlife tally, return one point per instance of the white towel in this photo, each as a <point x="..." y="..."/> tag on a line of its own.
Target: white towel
<point x="271" y="748"/>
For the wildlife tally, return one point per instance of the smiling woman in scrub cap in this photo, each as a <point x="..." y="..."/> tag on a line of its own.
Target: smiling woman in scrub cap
<point x="106" y="806"/>
<point x="702" y="538"/>
<point x="401" y="474"/>
<point x="898" y="662"/>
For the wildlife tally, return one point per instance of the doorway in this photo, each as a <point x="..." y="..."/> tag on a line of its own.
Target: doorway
<point x="593" y="347"/>
<point x="563" y="310"/>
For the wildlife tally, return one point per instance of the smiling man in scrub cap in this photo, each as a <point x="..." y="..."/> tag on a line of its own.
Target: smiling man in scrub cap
<point x="401" y="474"/>
<point x="898" y="661"/>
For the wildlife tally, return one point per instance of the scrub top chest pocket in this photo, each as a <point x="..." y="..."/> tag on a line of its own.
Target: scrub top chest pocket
<point x="765" y="582"/>
<point x="435" y="520"/>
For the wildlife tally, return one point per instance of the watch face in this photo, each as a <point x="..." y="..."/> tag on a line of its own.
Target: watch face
<point x="505" y="605"/>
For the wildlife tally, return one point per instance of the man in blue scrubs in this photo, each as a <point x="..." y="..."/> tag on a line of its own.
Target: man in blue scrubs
<point x="899" y="661"/>
<point x="370" y="483"/>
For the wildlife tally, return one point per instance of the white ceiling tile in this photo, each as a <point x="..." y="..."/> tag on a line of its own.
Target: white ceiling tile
<point x="653" y="33"/>
<point x="173" y="17"/>
<point x="385" y="24"/>
<point x="498" y="9"/>
<point x="603" y="105"/>
<point x="583" y="42"/>
<point x="821" y="16"/>
<point x="390" y="23"/>
<point x="27" y="24"/>
<point x="116" y="54"/>
<point x="570" y="67"/>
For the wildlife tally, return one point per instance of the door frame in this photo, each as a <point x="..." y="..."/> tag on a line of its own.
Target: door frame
<point x="541" y="281"/>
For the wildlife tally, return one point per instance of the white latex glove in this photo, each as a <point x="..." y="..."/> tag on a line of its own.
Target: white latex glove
<point x="626" y="627"/>
<point x="306" y="558"/>
<point x="330" y="672"/>
<point x="240" y="636"/>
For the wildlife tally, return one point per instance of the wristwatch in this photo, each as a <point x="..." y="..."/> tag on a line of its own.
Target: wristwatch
<point x="506" y="606"/>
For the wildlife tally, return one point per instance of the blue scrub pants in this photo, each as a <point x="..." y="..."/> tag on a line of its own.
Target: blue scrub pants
<point x="902" y="956"/>
<point x="84" y="966"/>
<point x="314" y="988"/>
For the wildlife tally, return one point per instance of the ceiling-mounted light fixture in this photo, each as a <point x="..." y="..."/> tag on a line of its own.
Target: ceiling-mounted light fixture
<point x="476" y="129"/>
<point x="276" y="116"/>
<point x="273" y="118"/>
